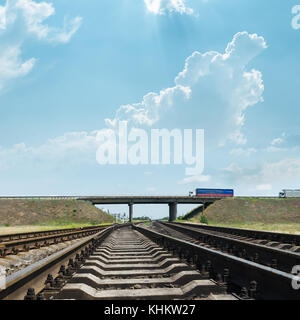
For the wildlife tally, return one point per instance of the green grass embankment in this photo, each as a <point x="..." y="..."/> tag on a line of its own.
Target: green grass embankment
<point x="51" y="213"/>
<point x="275" y="214"/>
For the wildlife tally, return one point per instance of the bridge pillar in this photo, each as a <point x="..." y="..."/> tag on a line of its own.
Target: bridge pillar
<point x="130" y="205"/>
<point x="205" y="206"/>
<point x="172" y="211"/>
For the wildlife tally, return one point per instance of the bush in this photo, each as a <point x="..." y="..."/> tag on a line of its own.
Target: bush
<point x="203" y="219"/>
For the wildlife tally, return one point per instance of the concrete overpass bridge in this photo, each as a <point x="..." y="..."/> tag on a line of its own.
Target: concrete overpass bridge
<point x="171" y="201"/>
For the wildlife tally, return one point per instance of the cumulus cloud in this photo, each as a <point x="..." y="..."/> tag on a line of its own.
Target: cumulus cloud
<point x="264" y="176"/>
<point x="228" y="80"/>
<point x="215" y="83"/>
<point x="20" y="20"/>
<point x="70" y="147"/>
<point x="161" y="7"/>
<point x="148" y="111"/>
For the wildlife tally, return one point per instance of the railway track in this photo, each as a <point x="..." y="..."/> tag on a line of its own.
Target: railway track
<point x="252" y="278"/>
<point x="35" y="234"/>
<point x="130" y="266"/>
<point x="280" y="256"/>
<point x="15" y="243"/>
<point x="15" y="286"/>
<point x="136" y="262"/>
<point x="263" y="237"/>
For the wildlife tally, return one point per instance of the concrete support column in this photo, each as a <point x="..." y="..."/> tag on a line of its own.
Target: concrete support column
<point x="172" y="211"/>
<point x="130" y="205"/>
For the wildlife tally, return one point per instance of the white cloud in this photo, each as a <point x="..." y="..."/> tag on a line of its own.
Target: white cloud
<point x="148" y="111"/>
<point x="195" y="179"/>
<point x="284" y="143"/>
<point x="160" y="7"/>
<point x="276" y="141"/>
<point x="65" y="34"/>
<point x="11" y="65"/>
<point x="268" y="174"/>
<point x="283" y="170"/>
<point x="217" y="83"/>
<point x="264" y="187"/>
<point x="2" y="17"/>
<point x="27" y="17"/>
<point x="226" y="76"/>
<point x="71" y="147"/>
<point x="233" y="168"/>
<point x="243" y="152"/>
<point x="19" y="20"/>
<point x="32" y="13"/>
<point x="274" y="149"/>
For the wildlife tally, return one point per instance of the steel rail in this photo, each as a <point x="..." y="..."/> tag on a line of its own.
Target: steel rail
<point x="256" y="234"/>
<point x="263" y="282"/>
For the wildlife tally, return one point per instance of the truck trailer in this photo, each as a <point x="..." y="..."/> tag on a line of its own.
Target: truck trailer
<point x="201" y="192"/>
<point x="289" y="193"/>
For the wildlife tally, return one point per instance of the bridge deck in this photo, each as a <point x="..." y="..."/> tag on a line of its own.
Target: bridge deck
<point x="148" y="199"/>
<point x="126" y="199"/>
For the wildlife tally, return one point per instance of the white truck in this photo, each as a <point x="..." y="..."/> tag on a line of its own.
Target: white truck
<point x="289" y="193"/>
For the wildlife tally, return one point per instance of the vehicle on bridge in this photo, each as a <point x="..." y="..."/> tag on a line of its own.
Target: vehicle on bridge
<point x="289" y="193"/>
<point x="214" y="192"/>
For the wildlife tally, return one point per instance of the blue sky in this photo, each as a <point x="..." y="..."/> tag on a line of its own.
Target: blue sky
<point x="229" y="67"/>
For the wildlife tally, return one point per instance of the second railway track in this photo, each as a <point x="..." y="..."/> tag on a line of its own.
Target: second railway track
<point x="14" y="243"/>
<point x="281" y="256"/>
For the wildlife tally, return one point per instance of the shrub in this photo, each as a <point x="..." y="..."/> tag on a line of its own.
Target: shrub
<point x="203" y="219"/>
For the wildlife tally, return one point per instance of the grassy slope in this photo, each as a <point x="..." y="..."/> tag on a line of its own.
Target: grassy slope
<point x="262" y="214"/>
<point x="50" y="213"/>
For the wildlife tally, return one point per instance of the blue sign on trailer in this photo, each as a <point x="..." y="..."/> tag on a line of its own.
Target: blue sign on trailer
<point x="214" y="192"/>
